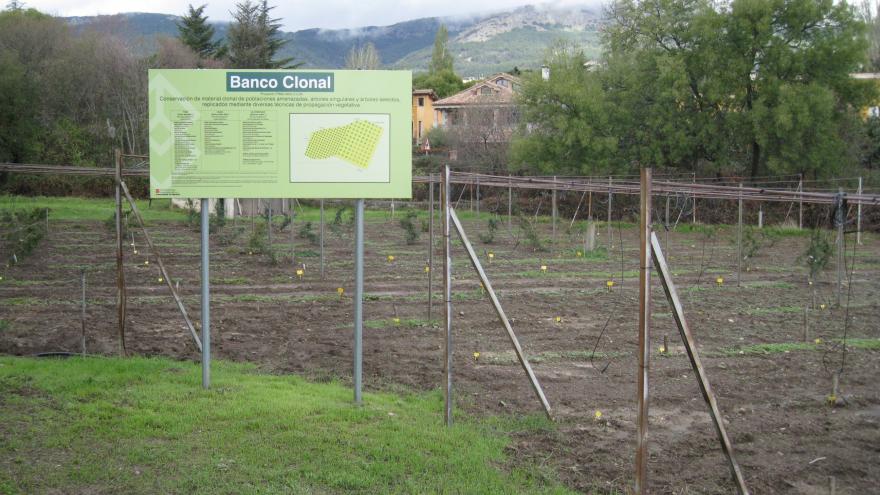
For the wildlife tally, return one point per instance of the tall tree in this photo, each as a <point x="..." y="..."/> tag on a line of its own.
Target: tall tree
<point x="195" y="32"/>
<point x="255" y="38"/>
<point x="441" y="59"/>
<point x="364" y="57"/>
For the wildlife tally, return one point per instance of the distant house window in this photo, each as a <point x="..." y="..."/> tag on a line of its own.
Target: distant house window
<point x="421" y="102"/>
<point x="420" y="129"/>
<point x="874" y="112"/>
<point x="501" y="82"/>
<point x="485" y="90"/>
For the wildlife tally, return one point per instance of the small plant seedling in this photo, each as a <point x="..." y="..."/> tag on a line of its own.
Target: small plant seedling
<point x="489" y="236"/>
<point x="411" y="230"/>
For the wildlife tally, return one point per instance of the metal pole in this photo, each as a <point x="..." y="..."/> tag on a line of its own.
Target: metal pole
<point x="696" y="364"/>
<point x="321" y="238"/>
<point x="761" y="216"/>
<point x="739" y="237"/>
<point x="269" y="226"/>
<point x="517" y="348"/>
<point x="430" y="246"/>
<point x="292" y="214"/>
<point x="120" y="274"/>
<point x="358" y="299"/>
<point x="447" y="296"/>
<point x="694" y="181"/>
<point x="858" y="217"/>
<point x="641" y="479"/>
<point x="206" y="300"/>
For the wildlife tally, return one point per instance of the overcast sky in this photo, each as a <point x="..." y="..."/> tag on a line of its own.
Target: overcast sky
<point x="298" y="14"/>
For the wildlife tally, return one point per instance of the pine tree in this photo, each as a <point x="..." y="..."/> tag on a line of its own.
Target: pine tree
<point x="195" y="32"/>
<point x="254" y="38"/>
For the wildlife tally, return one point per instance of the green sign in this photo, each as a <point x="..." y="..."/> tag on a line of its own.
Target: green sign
<point x="280" y="134"/>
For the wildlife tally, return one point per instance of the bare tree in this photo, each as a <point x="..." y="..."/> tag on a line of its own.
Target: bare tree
<point x="364" y="57"/>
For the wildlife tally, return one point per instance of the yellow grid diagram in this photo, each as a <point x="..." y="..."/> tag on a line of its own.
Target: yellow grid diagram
<point x="355" y="143"/>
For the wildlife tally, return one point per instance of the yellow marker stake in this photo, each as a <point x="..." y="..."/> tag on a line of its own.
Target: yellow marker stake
<point x="558" y="319"/>
<point x="821" y="306"/>
<point x="135" y="251"/>
<point x="476" y="356"/>
<point x="396" y="320"/>
<point x="491" y="257"/>
<point x="146" y="262"/>
<point x="719" y="281"/>
<point x="427" y="268"/>
<point x="161" y="279"/>
<point x="579" y="254"/>
<point x="597" y="415"/>
<point x="610" y="285"/>
<point x="299" y="272"/>
<point x="544" y="268"/>
<point x="390" y="258"/>
<point x="818" y="341"/>
<point x="662" y="350"/>
<point x="340" y="291"/>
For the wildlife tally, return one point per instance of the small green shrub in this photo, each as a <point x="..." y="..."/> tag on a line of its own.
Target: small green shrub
<point x="532" y="239"/>
<point x="307" y="232"/>
<point x="488" y="237"/>
<point x="23" y="231"/>
<point x="818" y="253"/>
<point x="408" y="224"/>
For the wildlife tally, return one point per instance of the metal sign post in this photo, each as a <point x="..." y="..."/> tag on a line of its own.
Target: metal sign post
<point x="206" y="301"/>
<point x="357" y="373"/>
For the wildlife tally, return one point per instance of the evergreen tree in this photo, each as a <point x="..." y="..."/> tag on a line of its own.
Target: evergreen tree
<point x="195" y="32"/>
<point x="441" y="76"/>
<point x="255" y="38"/>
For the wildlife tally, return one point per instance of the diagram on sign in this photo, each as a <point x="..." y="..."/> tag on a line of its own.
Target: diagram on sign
<point x="339" y="148"/>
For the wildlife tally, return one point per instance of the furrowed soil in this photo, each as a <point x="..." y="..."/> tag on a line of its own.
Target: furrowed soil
<point x="581" y="338"/>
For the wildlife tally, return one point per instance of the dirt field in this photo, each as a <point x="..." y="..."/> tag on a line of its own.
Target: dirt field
<point x="786" y="437"/>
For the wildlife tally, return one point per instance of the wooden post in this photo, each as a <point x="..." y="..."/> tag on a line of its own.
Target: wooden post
<point x="761" y="215"/>
<point x="666" y="226"/>
<point x="83" y="314"/>
<point x="321" y="238"/>
<point x="165" y="276"/>
<point x="430" y="245"/>
<point x="610" y="245"/>
<point x="120" y="275"/>
<point x="517" y="348"/>
<point x="840" y="220"/>
<point x="554" y="209"/>
<point x="801" y="201"/>
<point x="858" y="217"/>
<point x="694" y="181"/>
<point x="509" y="204"/>
<point x="641" y="478"/>
<point x="478" y="198"/>
<point x="696" y="364"/>
<point x="739" y="237"/>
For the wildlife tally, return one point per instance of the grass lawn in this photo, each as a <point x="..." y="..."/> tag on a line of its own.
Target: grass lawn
<point x="100" y="209"/>
<point x="144" y="425"/>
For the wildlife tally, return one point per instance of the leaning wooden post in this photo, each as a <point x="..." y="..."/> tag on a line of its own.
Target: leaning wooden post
<point x="120" y="275"/>
<point x="696" y="364"/>
<point x="641" y="480"/>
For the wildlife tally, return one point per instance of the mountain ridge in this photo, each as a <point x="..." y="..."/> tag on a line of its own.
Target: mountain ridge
<point x="481" y="43"/>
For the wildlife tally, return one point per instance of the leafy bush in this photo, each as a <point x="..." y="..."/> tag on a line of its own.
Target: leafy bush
<point x="818" y="253"/>
<point x="492" y="228"/>
<point x="23" y="231"/>
<point x="532" y="239"/>
<point x="307" y="232"/>
<point x="408" y="223"/>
